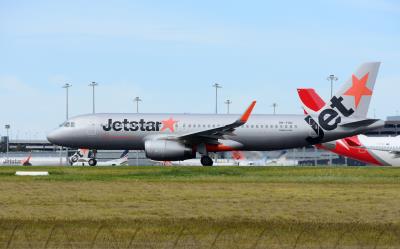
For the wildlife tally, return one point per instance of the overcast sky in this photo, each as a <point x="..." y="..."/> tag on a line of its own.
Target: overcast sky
<point x="171" y="52"/>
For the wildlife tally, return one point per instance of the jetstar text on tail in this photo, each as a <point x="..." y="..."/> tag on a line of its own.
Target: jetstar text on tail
<point x="127" y="125"/>
<point x="328" y="119"/>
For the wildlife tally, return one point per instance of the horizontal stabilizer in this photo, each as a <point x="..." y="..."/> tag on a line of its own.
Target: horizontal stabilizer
<point x="353" y="141"/>
<point x="360" y="123"/>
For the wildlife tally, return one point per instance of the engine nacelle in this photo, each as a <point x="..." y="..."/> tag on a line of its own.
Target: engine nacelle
<point x="165" y="150"/>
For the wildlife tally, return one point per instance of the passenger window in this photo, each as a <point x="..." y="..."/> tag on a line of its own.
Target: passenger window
<point x="252" y="126"/>
<point x="72" y="124"/>
<point x="67" y="124"/>
<point x="256" y="126"/>
<point x="189" y="125"/>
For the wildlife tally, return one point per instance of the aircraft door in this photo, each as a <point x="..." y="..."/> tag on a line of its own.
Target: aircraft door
<point x="92" y="129"/>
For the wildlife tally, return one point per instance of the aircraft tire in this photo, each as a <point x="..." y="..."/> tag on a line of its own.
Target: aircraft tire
<point x="92" y="162"/>
<point x="206" y="161"/>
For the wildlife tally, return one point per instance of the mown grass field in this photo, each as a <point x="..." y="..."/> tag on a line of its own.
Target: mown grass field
<point x="201" y="207"/>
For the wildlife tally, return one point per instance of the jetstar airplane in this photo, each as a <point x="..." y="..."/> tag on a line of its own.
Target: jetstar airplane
<point x="176" y="137"/>
<point x="372" y="150"/>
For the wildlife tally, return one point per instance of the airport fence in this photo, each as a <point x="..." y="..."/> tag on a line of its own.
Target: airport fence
<point x="140" y="235"/>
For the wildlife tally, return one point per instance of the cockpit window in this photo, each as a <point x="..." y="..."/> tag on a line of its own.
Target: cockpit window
<point x="68" y="124"/>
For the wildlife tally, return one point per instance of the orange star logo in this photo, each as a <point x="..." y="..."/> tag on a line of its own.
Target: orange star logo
<point x="168" y="124"/>
<point x="358" y="89"/>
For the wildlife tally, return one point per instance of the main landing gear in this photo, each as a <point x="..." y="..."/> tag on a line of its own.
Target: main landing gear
<point x="206" y="161"/>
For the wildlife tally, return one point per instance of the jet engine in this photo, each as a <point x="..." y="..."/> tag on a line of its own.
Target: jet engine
<point x="165" y="150"/>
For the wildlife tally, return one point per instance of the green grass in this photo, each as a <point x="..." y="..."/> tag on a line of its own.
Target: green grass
<point x="201" y="207"/>
<point x="215" y="174"/>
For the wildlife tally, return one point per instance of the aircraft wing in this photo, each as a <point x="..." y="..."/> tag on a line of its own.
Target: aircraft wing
<point x="211" y="136"/>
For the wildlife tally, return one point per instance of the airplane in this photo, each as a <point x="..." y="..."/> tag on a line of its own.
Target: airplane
<point x="33" y="161"/>
<point x="86" y="161"/>
<point x="381" y="151"/>
<point x="177" y="137"/>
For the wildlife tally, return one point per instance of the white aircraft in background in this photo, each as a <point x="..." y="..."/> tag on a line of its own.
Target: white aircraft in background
<point x="33" y="161"/>
<point x="372" y="150"/>
<point x="238" y="159"/>
<point x="86" y="161"/>
<point x="282" y="161"/>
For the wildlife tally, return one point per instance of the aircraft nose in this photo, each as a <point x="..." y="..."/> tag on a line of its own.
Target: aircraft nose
<point x="54" y="136"/>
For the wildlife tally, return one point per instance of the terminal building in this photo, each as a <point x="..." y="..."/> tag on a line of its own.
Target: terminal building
<point x="305" y="156"/>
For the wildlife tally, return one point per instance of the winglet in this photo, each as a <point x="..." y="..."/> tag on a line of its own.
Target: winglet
<point x="247" y="113"/>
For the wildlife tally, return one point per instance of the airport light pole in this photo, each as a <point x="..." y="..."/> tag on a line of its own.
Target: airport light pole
<point x="93" y="85"/>
<point x="137" y="100"/>
<point x="332" y="78"/>
<point x="216" y="85"/>
<point x="7" y="126"/>
<point x="274" y="105"/>
<point x="66" y="86"/>
<point x="228" y="102"/>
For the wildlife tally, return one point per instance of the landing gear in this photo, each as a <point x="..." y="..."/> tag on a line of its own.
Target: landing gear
<point x="92" y="162"/>
<point x="206" y="161"/>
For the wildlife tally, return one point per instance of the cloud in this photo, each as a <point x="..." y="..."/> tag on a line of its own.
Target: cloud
<point x="13" y="84"/>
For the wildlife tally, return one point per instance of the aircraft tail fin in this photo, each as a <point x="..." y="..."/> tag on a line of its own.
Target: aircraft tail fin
<point x="80" y="153"/>
<point x="26" y="161"/>
<point x="348" y="108"/>
<point x="352" y="99"/>
<point x="238" y="155"/>
<point x="356" y="93"/>
<point x="124" y="154"/>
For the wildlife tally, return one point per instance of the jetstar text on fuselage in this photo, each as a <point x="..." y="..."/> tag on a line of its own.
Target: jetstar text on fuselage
<point x="126" y="125"/>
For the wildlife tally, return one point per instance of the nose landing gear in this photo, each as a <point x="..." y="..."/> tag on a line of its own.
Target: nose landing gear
<point x="92" y="162"/>
<point x="206" y="161"/>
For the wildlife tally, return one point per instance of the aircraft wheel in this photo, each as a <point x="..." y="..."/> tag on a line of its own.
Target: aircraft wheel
<point x="206" y="161"/>
<point x="92" y="162"/>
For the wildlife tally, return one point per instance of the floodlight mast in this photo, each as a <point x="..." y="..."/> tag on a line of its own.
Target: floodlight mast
<point x="216" y="85"/>
<point x="93" y="85"/>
